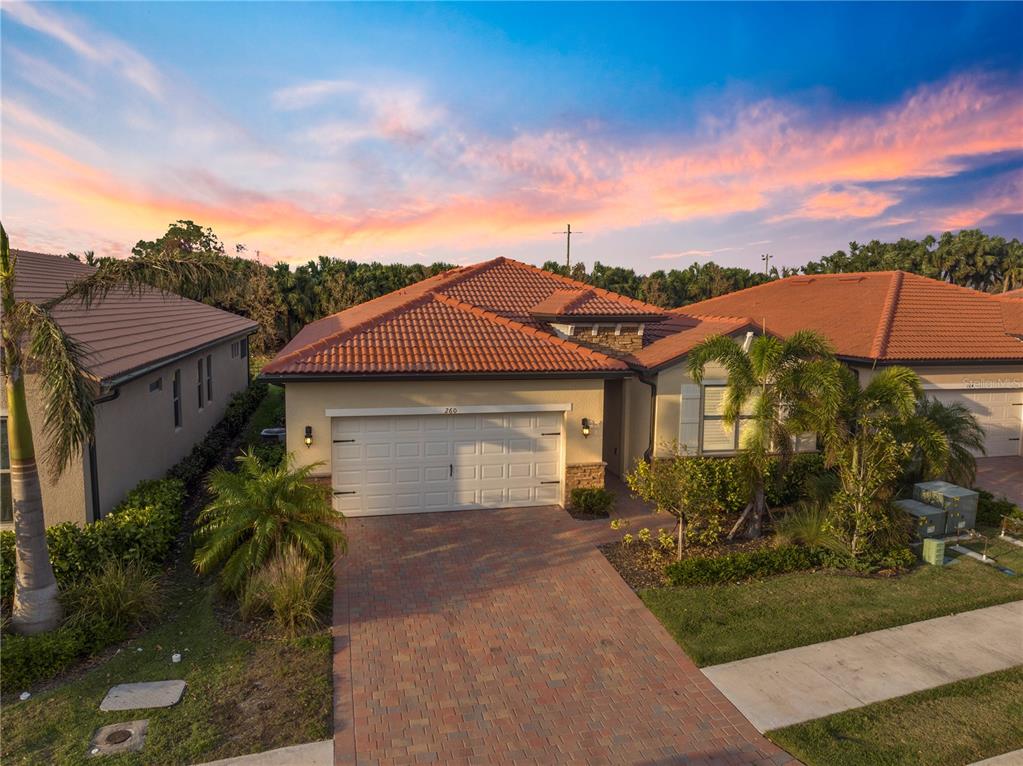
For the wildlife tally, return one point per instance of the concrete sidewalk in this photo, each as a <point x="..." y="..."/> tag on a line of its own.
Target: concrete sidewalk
<point x="311" y="754"/>
<point x="795" y="685"/>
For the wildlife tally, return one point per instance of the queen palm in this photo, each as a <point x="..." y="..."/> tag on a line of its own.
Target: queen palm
<point x="772" y="386"/>
<point x="33" y="341"/>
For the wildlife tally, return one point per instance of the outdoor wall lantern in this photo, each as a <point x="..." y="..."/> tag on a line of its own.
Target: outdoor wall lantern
<point x="586" y="427"/>
<point x="308" y="436"/>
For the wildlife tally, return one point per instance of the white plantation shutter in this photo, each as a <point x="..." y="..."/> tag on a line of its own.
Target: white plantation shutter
<point x="689" y="419"/>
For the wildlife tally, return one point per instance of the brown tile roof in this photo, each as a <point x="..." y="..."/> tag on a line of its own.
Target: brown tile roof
<point x="124" y="333"/>
<point x="478" y="319"/>
<point x="884" y="316"/>
<point x="677" y="336"/>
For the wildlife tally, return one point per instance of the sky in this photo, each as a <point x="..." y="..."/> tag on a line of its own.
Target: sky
<point x="666" y="134"/>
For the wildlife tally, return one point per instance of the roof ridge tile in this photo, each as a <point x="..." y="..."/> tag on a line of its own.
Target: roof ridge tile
<point x="884" y="327"/>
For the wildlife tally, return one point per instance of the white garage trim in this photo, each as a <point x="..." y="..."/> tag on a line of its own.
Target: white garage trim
<point x="468" y="409"/>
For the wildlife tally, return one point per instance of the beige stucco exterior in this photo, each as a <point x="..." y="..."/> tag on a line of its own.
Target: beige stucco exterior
<point x="135" y="437"/>
<point x="669" y="403"/>
<point x="306" y="403"/>
<point x="637" y="396"/>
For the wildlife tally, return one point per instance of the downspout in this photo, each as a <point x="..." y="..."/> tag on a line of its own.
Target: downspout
<point x="648" y="455"/>
<point x="93" y="467"/>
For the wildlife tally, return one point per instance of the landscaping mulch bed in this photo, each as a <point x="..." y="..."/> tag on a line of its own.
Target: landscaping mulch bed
<point x="642" y="565"/>
<point x="583" y="516"/>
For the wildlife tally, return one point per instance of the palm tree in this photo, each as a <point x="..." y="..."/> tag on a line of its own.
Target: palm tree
<point x="775" y="381"/>
<point x="259" y="511"/>
<point x="869" y="435"/>
<point x="964" y="437"/>
<point x="33" y="340"/>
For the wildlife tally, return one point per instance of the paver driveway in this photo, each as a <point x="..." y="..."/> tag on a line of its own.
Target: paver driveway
<point x="505" y="637"/>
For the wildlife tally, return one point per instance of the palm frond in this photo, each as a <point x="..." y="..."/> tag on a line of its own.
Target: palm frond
<point x="60" y="363"/>
<point x="720" y="349"/>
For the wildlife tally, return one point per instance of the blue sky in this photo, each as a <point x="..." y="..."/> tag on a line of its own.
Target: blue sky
<point x="667" y="133"/>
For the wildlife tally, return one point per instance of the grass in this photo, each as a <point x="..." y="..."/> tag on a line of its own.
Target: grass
<point x="950" y="725"/>
<point x="1002" y="551"/>
<point x="721" y="623"/>
<point x="242" y="696"/>
<point x="268" y="414"/>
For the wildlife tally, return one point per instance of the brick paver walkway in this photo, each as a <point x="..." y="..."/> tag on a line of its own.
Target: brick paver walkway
<point x="504" y="637"/>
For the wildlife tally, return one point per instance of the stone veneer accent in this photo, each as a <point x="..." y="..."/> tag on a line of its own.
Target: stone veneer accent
<point x="326" y="481"/>
<point x="586" y="475"/>
<point x="629" y="342"/>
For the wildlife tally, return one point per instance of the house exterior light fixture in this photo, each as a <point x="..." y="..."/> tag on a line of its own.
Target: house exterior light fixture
<point x="586" y="428"/>
<point x="308" y="436"/>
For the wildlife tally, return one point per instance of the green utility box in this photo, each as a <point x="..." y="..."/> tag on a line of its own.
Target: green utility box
<point x="959" y="503"/>
<point x="928" y="521"/>
<point x="934" y="552"/>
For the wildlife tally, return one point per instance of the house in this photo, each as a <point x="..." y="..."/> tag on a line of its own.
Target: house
<point x="966" y="346"/>
<point x="164" y="369"/>
<point x="492" y="385"/>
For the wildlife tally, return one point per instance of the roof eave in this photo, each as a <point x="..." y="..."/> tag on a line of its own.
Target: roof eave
<point x="574" y="318"/>
<point x="297" y="377"/>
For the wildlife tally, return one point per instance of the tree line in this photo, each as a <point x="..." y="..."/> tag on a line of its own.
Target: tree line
<point x="282" y="299"/>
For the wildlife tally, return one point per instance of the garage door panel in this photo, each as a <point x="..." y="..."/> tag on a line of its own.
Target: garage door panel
<point x="999" y="413"/>
<point x="410" y="464"/>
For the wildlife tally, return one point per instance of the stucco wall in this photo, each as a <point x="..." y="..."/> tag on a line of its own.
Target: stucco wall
<point x="63" y="497"/>
<point x="306" y="401"/>
<point x="135" y="434"/>
<point x="636" y="437"/>
<point x="979" y="376"/>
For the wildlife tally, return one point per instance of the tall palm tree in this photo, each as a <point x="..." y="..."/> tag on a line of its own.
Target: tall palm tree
<point x="963" y="434"/>
<point x="776" y="382"/>
<point x="33" y="341"/>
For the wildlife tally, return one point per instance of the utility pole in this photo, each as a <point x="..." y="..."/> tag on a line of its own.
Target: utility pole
<point x="766" y="258"/>
<point x="568" y="244"/>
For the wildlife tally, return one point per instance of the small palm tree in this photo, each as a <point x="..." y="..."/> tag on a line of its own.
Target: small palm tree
<point x="868" y="436"/>
<point x="964" y="436"/>
<point x="33" y="341"/>
<point x="259" y="511"/>
<point x="776" y="381"/>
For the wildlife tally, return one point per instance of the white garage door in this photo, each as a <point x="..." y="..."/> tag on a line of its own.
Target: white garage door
<point x="999" y="412"/>
<point x="417" y="463"/>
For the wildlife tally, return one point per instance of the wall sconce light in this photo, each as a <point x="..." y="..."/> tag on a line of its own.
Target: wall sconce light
<point x="586" y="427"/>
<point x="308" y="436"/>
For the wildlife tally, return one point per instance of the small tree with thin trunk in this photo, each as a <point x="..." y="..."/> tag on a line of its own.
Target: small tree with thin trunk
<point x="34" y="342"/>
<point x="678" y="486"/>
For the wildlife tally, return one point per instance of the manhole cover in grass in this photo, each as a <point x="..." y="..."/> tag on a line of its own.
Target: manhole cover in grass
<point x="117" y="737"/>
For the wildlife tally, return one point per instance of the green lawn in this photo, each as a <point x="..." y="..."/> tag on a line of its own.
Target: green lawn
<point x="268" y="414"/>
<point x="1002" y="551"/>
<point x="950" y="725"/>
<point x="720" y="623"/>
<point x="242" y="696"/>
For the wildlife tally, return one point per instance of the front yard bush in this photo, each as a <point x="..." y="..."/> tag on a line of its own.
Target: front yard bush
<point x="291" y="589"/>
<point x="121" y="594"/>
<point x="744" y="565"/>
<point x="595" y="501"/>
<point x="991" y="509"/>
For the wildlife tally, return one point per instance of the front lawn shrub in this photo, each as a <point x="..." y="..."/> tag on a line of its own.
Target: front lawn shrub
<point x="743" y="565"/>
<point x="291" y="589"/>
<point x="991" y="509"/>
<point x="595" y="501"/>
<point x="806" y="525"/>
<point x="30" y="659"/>
<point x="142" y="528"/>
<point x="121" y="594"/>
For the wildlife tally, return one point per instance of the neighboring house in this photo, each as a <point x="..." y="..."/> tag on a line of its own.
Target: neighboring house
<point x="966" y="346"/>
<point x="164" y="368"/>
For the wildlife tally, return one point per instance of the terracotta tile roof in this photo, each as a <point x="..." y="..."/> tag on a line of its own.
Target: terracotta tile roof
<point x="124" y="333"/>
<point x="1011" y="295"/>
<point x="433" y="333"/>
<point x="677" y="336"/>
<point x="884" y="316"/>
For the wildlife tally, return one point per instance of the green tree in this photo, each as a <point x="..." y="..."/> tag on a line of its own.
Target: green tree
<point x="33" y="340"/>
<point x="961" y="432"/>
<point x="257" y="512"/>
<point x="676" y="485"/>
<point x="774" y="385"/>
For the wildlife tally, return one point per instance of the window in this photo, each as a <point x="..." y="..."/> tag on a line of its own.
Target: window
<point x="176" y="396"/>
<point x="209" y="377"/>
<point x="245" y="347"/>
<point x="200" y="388"/>
<point x="717" y="437"/>
<point x="234" y="349"/>
<point x="156" y="385"/>
<point x="6" y="501"/>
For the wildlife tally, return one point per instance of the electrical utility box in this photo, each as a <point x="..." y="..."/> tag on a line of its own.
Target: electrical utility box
<point x="928" y="521"/>
<point x="934" y="552"/>
<point x="959" y="503"/>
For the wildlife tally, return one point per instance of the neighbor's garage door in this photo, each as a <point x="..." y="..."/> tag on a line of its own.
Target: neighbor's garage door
<point x="417" y="463"/>
<point x="999" y="412"/>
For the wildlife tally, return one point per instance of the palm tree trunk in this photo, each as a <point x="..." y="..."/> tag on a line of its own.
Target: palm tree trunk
<point x="756" y="523"/>
<point x="36" y="607"/>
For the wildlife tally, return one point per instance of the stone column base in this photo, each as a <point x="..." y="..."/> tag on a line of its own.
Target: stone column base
<point x="585" y="475"/>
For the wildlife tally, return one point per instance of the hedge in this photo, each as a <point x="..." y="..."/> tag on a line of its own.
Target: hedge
<point x="782" y="559"/>
<point x="30" y="659"/>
